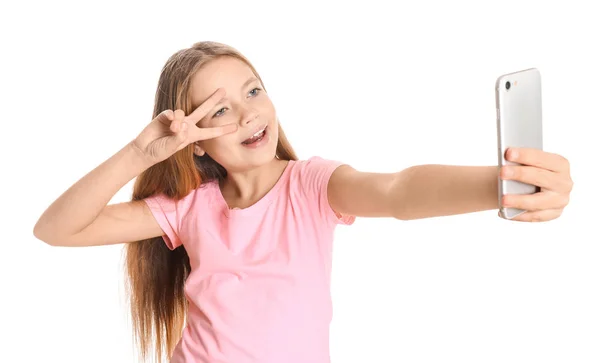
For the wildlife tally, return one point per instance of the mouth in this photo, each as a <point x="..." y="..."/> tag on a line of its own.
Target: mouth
<point x="256" y="137"/>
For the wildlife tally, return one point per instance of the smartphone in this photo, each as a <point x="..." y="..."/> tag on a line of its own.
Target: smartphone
<point x="519" y="124"/>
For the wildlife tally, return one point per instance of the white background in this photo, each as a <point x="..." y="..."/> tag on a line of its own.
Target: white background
<point x="379" y="85"/>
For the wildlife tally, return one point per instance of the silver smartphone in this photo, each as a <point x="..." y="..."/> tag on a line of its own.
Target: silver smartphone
<point x="519" y="124"/>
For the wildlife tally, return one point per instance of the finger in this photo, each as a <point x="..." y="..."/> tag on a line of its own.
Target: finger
<point x="212" y="132"/>
<point x="165" y="117"/>
<point x="179" y="140"/>
<point x="543" y="178"/>
<point x="530" y="175"/>
<point x="535" y="202"/>
<point x="539" y="216"/>
<point x="206" y="106"/>
<point x="178" y="118"/>
<point x="539" y="158"/>
<point x="180" y="129"/>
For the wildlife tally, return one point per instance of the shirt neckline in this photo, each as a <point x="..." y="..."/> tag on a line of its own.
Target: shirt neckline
<point x="260" y="204"/>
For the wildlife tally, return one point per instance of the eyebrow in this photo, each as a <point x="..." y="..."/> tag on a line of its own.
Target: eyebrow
<point x="250" y="80"/>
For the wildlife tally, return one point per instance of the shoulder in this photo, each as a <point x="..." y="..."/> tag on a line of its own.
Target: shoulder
<point x="202" y="194"/>
<point x="312" y="174"/>
<point x="316" y="167"/>
<point x="313" y="178"/>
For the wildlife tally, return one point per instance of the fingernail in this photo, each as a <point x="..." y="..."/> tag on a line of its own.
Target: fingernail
<point x="513" y="154"/>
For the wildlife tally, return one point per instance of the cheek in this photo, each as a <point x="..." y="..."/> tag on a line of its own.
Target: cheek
<point x="273" y="133"/>
<point x="271" y="108"/>
<point x="224" y="142"/>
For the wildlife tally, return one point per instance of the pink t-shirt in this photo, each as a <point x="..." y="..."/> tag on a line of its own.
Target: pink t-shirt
<point x="259" y="287"/>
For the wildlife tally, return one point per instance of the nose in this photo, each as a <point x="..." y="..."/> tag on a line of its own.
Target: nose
<point x="248" y="115"/>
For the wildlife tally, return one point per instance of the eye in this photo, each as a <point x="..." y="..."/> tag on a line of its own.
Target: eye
<point x="255" y="91"/>
<point x="218" y="113"/>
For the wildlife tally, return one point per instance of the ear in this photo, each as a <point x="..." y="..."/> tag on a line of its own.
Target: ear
<point x="198" y="150"/>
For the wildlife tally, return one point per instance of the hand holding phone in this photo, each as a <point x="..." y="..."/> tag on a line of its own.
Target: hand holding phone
<point x="519" y="125"/>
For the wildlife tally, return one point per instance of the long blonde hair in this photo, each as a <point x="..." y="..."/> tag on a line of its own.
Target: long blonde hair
<point x="155" y="275"/>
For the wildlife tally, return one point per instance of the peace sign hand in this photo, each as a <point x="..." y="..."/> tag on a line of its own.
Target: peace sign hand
<point x="171" y="131"/>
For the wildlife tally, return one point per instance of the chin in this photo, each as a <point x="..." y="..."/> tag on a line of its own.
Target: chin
<point x="264" y="156"/>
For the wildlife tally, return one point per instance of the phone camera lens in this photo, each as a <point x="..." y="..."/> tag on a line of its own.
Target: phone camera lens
<point x="507" y="85"/>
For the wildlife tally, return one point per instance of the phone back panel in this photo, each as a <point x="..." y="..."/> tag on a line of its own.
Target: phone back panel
<point x="519" y="122"/>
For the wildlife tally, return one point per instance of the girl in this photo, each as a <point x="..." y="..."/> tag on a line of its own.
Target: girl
<point x="229" y="235"/>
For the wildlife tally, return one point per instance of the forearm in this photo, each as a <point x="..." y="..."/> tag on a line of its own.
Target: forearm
<point x="425" y="191"/>
<point x="79" y="206"/>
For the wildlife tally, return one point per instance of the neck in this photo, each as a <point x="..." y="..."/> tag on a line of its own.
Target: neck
<point x="242" y="189"/>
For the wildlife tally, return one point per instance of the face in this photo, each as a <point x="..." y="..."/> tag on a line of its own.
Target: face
<point x="246" y="104"/>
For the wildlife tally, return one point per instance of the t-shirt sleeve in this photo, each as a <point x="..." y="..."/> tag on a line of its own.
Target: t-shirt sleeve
<point x="315" y="180"/>
<point x="168" y="216"/>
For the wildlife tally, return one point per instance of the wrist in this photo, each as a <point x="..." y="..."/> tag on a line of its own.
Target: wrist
<point x="137" y="157"/>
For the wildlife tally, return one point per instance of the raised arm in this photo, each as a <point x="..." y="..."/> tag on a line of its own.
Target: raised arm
<point x="81" y="216"/>
<point x="439" y="190"/>
<point x="417" y="192"/>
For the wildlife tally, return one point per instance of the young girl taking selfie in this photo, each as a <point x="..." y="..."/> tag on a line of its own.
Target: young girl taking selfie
<point x="229" y="235"/>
